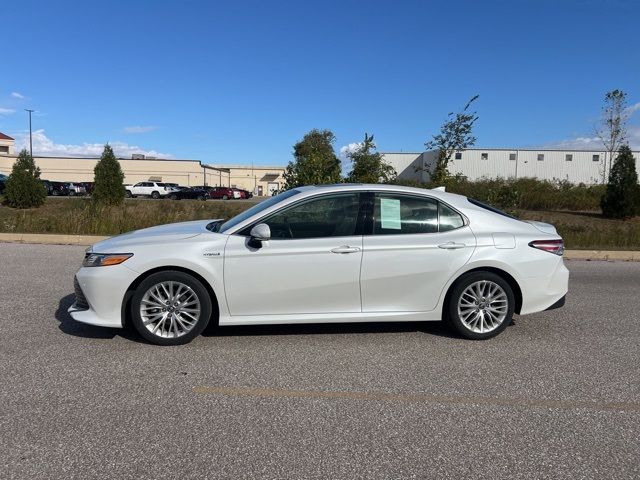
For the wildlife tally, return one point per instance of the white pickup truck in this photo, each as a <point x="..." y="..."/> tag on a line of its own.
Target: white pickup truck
<point x="149" y="189"/>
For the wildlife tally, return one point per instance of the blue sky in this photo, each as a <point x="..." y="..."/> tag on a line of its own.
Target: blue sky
<point x="241" y="82"/>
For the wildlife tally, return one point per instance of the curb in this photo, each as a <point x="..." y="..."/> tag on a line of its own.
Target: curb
<point x="49" y="239"/>
<point x="86" y="240"/>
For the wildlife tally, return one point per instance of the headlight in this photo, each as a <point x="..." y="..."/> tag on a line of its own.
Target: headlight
<point x="104" y="259"/>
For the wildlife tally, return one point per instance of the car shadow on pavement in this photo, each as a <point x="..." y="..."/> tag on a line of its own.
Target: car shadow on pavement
<point x="431" y="328"/>
<point x="77" y="329"/>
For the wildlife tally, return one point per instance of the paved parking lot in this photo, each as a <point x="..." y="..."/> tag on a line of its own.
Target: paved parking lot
<point x="557" y="395"/>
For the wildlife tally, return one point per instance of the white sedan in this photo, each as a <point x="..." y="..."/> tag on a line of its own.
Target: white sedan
<point x="320" y="254"/>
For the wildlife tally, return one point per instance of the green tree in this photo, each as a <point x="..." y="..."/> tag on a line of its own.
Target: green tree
<point x="455" y="134"/>
<point x="108" y="188"/>
<point x="622" y="197"/>
<point x="315" y="162"/>
<point x="368" y="166"/>
<point x="24" y="188"/>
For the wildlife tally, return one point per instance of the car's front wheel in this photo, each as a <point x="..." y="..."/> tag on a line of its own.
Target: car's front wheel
<point x="481" y="305"/>
<point x="155" y="195"/>
<point x="170" y="308"/>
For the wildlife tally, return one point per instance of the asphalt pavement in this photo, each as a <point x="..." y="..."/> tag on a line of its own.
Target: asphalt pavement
<point x="557" y="395"/>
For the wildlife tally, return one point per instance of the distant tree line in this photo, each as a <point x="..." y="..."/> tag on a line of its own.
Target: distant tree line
<point x="316" y="162"/>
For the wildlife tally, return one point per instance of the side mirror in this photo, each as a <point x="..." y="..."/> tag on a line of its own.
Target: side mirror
<point x="260" y="232"/>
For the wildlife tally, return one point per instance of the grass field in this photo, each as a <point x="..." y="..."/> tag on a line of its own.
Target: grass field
<point x="580" y="230"/>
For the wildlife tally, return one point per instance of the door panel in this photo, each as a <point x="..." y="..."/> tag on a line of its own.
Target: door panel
<point x="310" y="265"/>
<point x="406" y="273"/>
<point x="417" y="244"/>
<point x="292" y="276"/>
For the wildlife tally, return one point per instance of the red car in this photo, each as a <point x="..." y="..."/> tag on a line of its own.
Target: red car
<point x="223" y="193"/>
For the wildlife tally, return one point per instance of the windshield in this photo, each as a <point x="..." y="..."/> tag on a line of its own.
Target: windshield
<point x="256" y="209"/>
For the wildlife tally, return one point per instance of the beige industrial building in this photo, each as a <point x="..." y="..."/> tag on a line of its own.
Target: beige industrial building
<point x="258" y="179"/>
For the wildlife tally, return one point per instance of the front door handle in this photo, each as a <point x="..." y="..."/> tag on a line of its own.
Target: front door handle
<point x="451" y="245"/>
<point x="345" y="249"/>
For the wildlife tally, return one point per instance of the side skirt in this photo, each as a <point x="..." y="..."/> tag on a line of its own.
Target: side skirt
<point x="330" y="318"/>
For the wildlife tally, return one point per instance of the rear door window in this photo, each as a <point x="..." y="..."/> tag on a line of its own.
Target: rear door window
<point x="401" y="214"/>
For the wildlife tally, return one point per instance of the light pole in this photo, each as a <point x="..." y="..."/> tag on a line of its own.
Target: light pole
<point x="30" y="137"/>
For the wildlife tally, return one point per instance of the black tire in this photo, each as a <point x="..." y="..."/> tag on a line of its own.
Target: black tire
<point x="176" y="276"/>
<point x="55" y="193"/>
<point x="202" y="198"/>
<point x="72" y="193"/>
<point x="155" y="195"/>
<point x="173" y="197"/>
<point x="451" y="309"/>
<point x="127" y="194"/>
<point x="224" y="197"/>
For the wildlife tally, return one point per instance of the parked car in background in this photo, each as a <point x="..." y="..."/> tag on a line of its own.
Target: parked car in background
<point x="377" y="253"/>
<point x="149" y="189"/>
<point x="242" y="193"/>
<point x="56" y="189"/>
<point x="88" y="186"/>
<point x="3" y="181"/>
<point x="75" y="189"/>
<point x="223" y="193"/>
<point x="189" y="193"/>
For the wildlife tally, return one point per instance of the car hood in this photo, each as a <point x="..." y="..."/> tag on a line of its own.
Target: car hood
<point x="160" y="234"/>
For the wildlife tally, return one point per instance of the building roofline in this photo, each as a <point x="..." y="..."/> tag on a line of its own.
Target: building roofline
<point x="118" y="158"/>
<point x="249" y="167"/>
<point x="494" y="149"/>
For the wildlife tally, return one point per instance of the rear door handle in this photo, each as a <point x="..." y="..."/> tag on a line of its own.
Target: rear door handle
<point x="451" y="245"/>
<point x="345" y="249"/>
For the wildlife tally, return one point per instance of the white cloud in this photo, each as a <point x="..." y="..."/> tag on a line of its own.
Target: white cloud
<point x="44" y="146"/>
<point x="17" y="95"/>
<point x="633" y="108"/>
<point x="139" y="129"/>
<point x="350" y="148"/>
<point x="6" y="111"/>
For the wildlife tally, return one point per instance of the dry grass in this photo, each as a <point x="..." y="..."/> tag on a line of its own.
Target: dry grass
<point x="81" y="216"/>
<point x="589" y="230"/>
<point x="581" y="230"/>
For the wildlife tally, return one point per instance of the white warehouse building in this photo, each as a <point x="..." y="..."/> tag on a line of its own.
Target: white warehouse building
<point x="576" y="166"/>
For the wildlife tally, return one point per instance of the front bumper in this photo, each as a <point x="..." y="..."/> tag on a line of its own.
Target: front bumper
<point x="99" y="295"/>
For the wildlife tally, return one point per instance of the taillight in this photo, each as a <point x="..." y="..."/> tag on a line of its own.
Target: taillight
<point x="552" y="246"/>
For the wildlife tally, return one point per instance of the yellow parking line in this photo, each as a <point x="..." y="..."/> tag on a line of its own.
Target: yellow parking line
<point x="420" y="398"/>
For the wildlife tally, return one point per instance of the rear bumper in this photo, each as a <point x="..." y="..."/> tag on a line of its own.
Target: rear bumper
<point x="545" y="293"/>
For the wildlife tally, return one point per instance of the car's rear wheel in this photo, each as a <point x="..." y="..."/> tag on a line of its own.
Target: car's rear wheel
<point x="201" y="197"/>
<point x="173" y="197"/>
<point x="224" y="197"/>
<point x="170" y="308"/>
<point x="155" y="195"/>
<point x="127" y="194"/>
<point x="481" y="305"/>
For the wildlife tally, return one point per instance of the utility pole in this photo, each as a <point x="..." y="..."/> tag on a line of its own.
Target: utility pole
<point x="30" y="137"/>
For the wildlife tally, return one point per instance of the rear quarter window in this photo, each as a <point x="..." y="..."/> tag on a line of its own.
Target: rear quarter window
<point x="478" y="203"/>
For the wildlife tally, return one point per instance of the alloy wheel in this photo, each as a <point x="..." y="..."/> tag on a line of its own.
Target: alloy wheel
<point x="483" y="306"/>
<point x="170" y="309"/>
